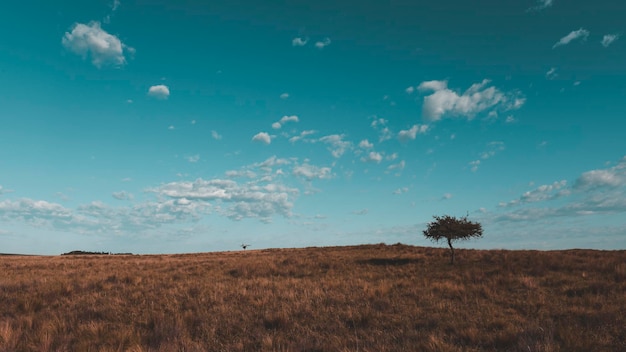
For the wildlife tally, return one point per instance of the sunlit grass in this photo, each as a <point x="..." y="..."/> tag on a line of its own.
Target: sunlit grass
<point x="364" y="298"/>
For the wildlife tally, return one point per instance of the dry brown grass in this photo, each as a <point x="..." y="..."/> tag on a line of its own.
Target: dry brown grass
<point x="364" y="298"/>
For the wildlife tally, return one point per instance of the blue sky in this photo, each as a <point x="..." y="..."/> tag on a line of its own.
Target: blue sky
<point x="187" y="126"/>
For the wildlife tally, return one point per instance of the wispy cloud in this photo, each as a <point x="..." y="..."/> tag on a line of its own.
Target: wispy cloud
<point x="159" y="91"/>
<point x="398" y="166"/>
<point x="302" y="136"/>
<point x="193" y="158"/>
<point x="4" y="190"/>
<point x="322" y="44"/>
<point x="581" y="34"/>
<point x="401" y="190"/>
<point x="608" y="39"/>
<point x="492" y="149"/>
<point x="115" y="5"/>
<point x="216" y="135"/>
<point x="122" y="195"/>
<point x="541" y="193"/>
<point x="411" y="134"/>
<point x="380" y="125"/>
<point x="338" y="145"/>
<point x="299" y="41"/>
<point x="541" y="4"/>
<point x="311" y="172"/>
<point x="90" y="40"/>
<point x="478" y="98"/>
<point x="474" y="165"/>
<point x="551" y="74"/>
<point x="599" y="191"/>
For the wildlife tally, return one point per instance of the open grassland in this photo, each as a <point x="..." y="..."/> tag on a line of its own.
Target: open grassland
<point x="364" y="298"/>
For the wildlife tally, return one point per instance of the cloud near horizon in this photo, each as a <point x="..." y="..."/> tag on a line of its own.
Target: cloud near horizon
<point x="600" y="191"/>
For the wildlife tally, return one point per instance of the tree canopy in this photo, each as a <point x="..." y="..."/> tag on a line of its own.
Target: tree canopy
<point x="451" y="229"/>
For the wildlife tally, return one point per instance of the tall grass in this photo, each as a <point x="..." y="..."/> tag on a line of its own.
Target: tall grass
<point x="364" y="298"/>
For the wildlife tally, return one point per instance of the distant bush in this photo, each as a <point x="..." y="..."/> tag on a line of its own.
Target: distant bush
<point x="93" y="253"/>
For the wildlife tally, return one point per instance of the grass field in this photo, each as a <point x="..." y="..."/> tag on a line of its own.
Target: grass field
<point x="363" y="298"/>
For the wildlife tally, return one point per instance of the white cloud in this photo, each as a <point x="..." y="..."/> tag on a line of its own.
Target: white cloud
<point x="409" y="90"/>
<point x="365" y="144"/>
<point x="299" y="41"/>
<point x="93" y="41"/>
<point x="541" y="193"/>
<point x="373" y="157"/>
<point x="337" y="145"/>
<point x="573" y="35"/>
<point x="323" y="44"/>
<point x="216" y="135"/>
<point x="283" y="120"/>
<point x="115" y="5"/>
<point x="510" y="119"/>
<point x="262" y="137"/>
<point x="476" y="99"/>
<point x="292" y="118"/>
<point x="608" y="39"/>
<point x="122" y="195"/>
<point x="311" y="172"/>
<point x="600" y="191"/>
<point x="411" y="133"/>
<point x="159" y="91"/>
<point x="612" y="177"/>
<point x="432" y="86"/>
<point x="193" y="158"/>
<point x="28" y="209"/>
<point x="171" y="127"/>
<point x="284" y="96"/>
<point x="249" y="200"/>
<point x="446" y="196"/>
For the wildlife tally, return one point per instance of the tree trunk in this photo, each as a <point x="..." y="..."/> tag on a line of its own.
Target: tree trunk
<point x="451" y="251"/>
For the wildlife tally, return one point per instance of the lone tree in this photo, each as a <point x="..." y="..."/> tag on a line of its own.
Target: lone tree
<point x="452" y="229"/>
